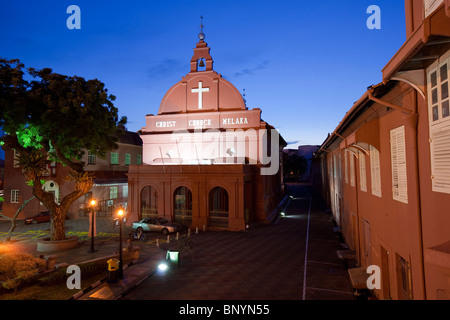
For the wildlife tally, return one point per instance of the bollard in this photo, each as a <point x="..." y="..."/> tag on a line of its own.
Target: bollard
<point x="204" y="228"/>
<point x="168" y="238"/>
<point x="113" y="265"/>
<point x="189" y="232"/>
<point x="157" y="242"/>
<point x="196" y="230"/>
<point x="178" y="236"/>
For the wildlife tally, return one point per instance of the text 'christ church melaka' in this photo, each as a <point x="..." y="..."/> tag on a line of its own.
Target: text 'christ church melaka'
<point x="204" y="154"/>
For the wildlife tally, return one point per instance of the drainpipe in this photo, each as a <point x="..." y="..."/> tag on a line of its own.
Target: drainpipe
<point x="413" y="123"/>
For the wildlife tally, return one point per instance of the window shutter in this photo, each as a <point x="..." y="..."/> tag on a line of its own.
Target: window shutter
<point x="440" y="155"/>
<point x="362" y="172"/>
<point x="352" y="170"/>
<point x="439" y="111"/>
<point x="375" y="171"/>
<point x="431" y="5"/>
<point x="398" y="161"/>
<point x="345" y="166"/>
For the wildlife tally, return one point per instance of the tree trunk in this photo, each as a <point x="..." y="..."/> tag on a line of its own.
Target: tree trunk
<point x="58" y="221"/>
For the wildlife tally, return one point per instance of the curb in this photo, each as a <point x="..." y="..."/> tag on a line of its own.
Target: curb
<point x="125" y="289"/>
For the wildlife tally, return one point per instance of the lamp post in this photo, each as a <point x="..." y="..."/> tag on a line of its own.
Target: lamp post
<point x="120" y="214"/>
<point x="93" y="203"/>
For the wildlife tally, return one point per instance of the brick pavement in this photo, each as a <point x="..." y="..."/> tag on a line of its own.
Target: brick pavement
<point x="266" y="263"/>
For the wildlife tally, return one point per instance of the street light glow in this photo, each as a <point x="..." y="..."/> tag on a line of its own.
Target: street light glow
<point x="93" y="202"/>
<point x="120" y="212"/>
<point x="162" y="266"/>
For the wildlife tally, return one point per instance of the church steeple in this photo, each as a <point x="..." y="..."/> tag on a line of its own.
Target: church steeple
<point x="201" y="51"/>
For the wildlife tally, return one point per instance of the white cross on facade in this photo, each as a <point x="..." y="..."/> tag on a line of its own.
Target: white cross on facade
<point x="200" y="91"/>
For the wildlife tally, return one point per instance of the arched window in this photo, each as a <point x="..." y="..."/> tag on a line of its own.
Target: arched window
<point x="149" y="202"/>
<point x="182" y="206"/>
<point x="218" y="208"/>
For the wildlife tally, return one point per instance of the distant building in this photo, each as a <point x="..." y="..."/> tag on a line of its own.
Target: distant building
<point x="308" y="152"/>
<point x="385" y="170"/>
<point x="202" y="155"/>
<point x="110" y="181"/>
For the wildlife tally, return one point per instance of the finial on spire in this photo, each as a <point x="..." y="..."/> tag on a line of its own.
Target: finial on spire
<point x="201" y="35"/>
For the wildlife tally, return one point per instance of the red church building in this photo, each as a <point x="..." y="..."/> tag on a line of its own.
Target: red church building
<point x="208" y="161"/>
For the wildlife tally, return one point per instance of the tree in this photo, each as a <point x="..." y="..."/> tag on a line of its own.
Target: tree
<point x="55" y="117"/>
<point x="295" y="164"/>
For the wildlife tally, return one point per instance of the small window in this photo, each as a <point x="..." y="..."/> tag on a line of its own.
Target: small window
<point x="15" y="196"/>
<point x="125" y="191"/>
<point x="127" y="159"/>
<point x="139" y="159"/>
<point x="91" y="158"/>
<point x="16" y="155"/>
<point x="114" y="158"/>
<point x="113" y="192"/>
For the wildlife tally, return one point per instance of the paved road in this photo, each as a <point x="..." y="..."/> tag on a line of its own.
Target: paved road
<point x="293" y="259"/>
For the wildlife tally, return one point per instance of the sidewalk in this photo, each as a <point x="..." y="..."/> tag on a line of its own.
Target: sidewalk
<point x="106" y="245"/>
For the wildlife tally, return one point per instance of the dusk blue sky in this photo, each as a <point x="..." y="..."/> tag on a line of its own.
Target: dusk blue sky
<point x="304" y="63"/>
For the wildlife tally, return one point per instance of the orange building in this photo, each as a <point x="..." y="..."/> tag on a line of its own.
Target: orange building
<point x="385" y="170"/>
<point x="208" y="161"/>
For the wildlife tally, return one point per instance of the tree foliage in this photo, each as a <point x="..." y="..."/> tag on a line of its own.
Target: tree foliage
<point x="54" y="117"/>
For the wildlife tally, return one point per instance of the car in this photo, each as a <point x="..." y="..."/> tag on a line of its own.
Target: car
<point x="155" y="224"/>
<point x="43" y="216"/>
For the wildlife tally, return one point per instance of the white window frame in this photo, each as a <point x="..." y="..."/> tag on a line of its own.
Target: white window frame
<point x="375" y="171"/>
<point x="398" y="165"/>
<point x="114" y="158"/>
<point x="113" y="192"/>
<point x="439" y="129"/>
<point x="91" y="158"/>
<point x="15" y="193"/>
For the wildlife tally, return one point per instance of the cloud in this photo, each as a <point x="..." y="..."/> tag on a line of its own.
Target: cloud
<point x="165" y="68"/>
<point x="251" y="71"/>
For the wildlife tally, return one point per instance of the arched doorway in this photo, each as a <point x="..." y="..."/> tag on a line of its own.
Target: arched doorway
<point x="182" y="206"/>
<point x="149" y="202"/>
<point x="218" y="208"/>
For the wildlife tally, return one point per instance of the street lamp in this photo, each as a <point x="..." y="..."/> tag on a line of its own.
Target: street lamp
<point x="120" y="214"/>
<point x="92" y="209"/>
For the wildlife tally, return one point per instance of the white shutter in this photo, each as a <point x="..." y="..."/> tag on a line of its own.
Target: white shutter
<point x="352" y="170"/>
<point x="431" y="6"/>
<point x="440" y="155"/>
<point x="375" y="171"/>
<point x="439" y="116"/>
<point x="362" y="171"/>
<point x="345" y="166"/>
<point x="398" y="162"/>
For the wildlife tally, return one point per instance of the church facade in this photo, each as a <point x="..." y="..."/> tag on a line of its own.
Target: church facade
<point x="208" y="161"/>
